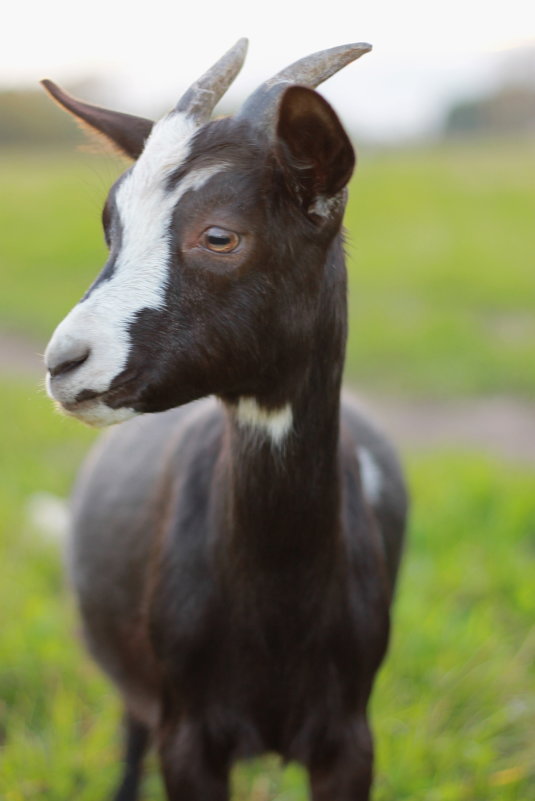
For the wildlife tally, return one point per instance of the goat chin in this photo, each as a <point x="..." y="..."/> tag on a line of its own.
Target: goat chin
<point x="95" y="413"/>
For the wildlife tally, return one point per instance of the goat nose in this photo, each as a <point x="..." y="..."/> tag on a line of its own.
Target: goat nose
<point x="67" y="361"/>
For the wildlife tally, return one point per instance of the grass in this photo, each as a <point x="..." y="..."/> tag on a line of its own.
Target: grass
<point x="441" y="261"/>
<point x="443" y="285"/>
<point x="52" y="243"/>
<point x="455" y="704"/>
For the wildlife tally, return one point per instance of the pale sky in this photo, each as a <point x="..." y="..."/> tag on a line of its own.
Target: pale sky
<point x="148" y="53"/>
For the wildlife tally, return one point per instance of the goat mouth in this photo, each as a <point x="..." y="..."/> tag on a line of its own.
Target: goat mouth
<point x="110" y="395"/>
<point x="118" y="396"/>
<point x="95" y="410"/>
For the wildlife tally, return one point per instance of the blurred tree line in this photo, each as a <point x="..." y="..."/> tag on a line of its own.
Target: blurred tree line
<point x="29" y="118"/>
<point x="508" y="109"/>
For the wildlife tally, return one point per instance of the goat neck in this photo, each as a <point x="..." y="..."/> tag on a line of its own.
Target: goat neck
<point x="282" y="444"/>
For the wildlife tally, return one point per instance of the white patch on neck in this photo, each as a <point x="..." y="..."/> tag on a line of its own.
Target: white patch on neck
<point x="274" y="423"/>
<point x="372" y="480"/>
<point x="145" y="207"/>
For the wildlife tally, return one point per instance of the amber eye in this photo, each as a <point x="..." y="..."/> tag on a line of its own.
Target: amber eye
<point x="219" y="240"/>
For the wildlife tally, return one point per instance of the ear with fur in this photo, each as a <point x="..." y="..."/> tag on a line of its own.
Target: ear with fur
<point x="126" y="132"/>
<point x="315" y="147"/>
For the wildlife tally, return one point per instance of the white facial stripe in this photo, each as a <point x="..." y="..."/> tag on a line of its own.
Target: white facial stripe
<point x="145" y="207"/>
<point x="371" y="477"/>
<point x="274" y="423"/>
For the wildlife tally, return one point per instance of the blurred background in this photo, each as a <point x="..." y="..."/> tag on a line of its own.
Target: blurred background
<point x="441" y="235"/>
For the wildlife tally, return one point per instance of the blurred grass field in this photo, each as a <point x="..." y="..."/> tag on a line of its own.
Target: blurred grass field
<point x="442" y="304"/>
<point x="442" y="245"/>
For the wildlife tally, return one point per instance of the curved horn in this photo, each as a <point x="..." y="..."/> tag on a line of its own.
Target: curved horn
<point x="124" y="130"/>
<point x="202" y="97"/>
<point x="308" y="71"/>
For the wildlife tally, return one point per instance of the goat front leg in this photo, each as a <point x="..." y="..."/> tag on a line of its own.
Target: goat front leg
<point x="137" y="738"/>
<point x="194" y="769"/>
<point x="345" y="772"/>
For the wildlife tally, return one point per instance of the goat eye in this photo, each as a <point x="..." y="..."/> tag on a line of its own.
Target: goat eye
<point x="218" y="240"/>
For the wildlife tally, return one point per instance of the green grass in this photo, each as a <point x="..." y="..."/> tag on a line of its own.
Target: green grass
<point x="454" y="707"/>
<point x="443" y="286"/>
<point x="52" y="244"/>
<point x="441" y="246"/>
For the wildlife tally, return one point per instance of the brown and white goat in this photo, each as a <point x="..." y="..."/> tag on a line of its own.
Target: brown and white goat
<point x="234" y="558"/>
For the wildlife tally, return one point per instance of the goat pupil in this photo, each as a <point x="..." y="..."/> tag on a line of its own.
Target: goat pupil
<point x="219" y="241"/>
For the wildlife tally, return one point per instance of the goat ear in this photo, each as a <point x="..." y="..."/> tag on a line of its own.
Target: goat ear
<point x="317" y="149"/>
<point x="124" y="131"/>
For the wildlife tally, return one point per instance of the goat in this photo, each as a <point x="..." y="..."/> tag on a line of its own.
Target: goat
<point x="234" y="558"/>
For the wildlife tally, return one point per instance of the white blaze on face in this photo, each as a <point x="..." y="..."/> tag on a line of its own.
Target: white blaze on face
<point x="145" y="207"/>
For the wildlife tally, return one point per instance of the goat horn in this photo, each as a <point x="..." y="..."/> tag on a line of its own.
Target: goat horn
<point x="202" y="97"/>
<point x="308" y="71"/>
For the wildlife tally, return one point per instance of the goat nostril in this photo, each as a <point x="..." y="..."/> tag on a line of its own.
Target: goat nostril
<point x="68" y="365"/>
